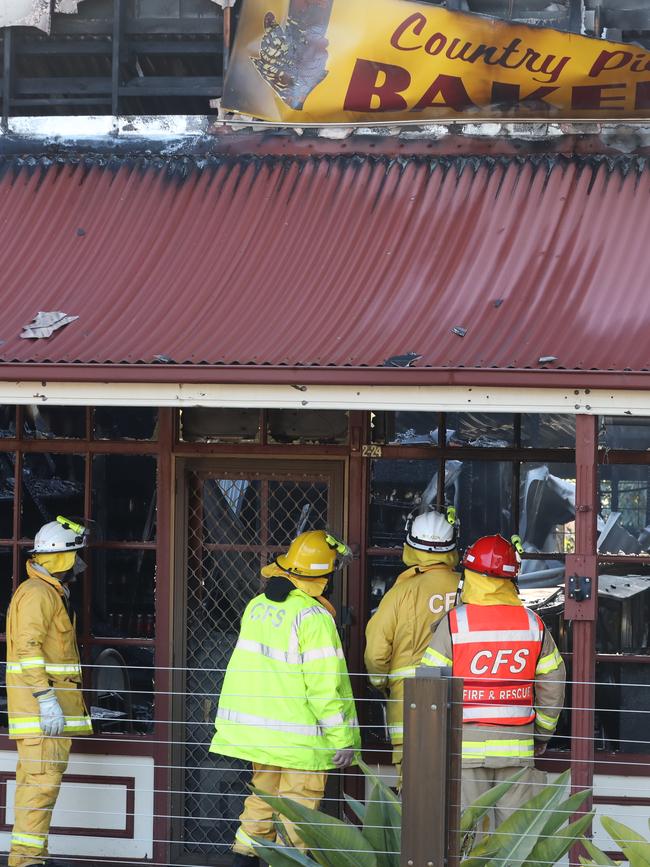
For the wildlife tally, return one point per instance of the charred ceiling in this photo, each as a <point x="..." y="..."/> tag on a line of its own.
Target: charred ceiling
<point x="164" y="57"/>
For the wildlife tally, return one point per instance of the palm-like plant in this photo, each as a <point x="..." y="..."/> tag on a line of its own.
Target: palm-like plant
<point x="538" y="833"/>
<point x="635" y="847"/>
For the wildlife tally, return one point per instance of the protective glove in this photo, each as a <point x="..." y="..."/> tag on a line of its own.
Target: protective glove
<point x="379" y="681"/>
<point x="52" y="719"/>
<point x="343" y="758"/>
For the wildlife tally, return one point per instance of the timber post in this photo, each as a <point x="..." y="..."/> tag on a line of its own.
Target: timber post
<point x="431" y="769"/>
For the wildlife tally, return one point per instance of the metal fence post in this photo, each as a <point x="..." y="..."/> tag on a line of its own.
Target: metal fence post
<point x="431" y="769"/>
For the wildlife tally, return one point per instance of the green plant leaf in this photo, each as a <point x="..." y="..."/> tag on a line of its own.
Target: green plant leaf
<point x="382" y="827"/>
<point x="599" y="857"/>
<point x="564" y="812"/>
<point x="475" y="812"/>
<point x="518" y="834"/>
<point x="633" y="845"/>
<point x="549" y="849"/>
<point x="333" y="843"/>
<point x="357" y="807"/>
<point x="281" y="856"/>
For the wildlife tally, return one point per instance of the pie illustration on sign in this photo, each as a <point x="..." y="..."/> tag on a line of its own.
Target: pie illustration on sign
<point x="293" y="55"/>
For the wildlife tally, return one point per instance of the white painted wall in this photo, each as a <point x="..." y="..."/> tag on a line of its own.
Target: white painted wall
<point x="95" y="805"/>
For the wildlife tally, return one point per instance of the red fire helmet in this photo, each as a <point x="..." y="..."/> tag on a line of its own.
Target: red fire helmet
<point x="493" y="555"/>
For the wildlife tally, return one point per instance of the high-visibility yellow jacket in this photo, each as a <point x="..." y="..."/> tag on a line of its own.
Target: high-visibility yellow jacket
<point x="42" y="653"/>
<point x="286" y="698"/>
<point x="398" y="633"/>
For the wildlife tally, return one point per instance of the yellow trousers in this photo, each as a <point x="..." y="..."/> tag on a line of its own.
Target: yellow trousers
<point x="41" y="764"/>
<point x="305" y="787"/>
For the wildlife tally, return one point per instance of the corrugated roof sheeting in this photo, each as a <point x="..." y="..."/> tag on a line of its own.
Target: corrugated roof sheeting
<point x="318" y="261"/>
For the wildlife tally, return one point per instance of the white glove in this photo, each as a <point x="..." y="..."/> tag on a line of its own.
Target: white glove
<point x="52" y="719"/>
<point x="343" y="758"/>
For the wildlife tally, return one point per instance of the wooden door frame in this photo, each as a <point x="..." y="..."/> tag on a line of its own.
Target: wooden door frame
<point x="336" y="469"/>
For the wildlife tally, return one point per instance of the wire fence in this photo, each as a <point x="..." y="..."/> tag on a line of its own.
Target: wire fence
<point x="190" y="806"/>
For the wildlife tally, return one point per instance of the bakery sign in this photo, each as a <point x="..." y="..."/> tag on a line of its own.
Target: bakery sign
<point x="338" y="61"/>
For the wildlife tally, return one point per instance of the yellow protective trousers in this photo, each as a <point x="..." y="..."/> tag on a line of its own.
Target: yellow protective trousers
<point x="305" y="787"/>
<point x="41" y="764"/>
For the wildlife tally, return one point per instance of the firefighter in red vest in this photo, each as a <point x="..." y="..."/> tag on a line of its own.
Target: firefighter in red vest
<point x="513" y="675"/>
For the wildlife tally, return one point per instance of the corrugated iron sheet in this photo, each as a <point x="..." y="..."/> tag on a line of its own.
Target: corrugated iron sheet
<point x="325" y="261"/>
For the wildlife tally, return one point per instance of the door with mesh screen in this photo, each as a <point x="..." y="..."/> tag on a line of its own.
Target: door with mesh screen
<point x="234" y="517"/>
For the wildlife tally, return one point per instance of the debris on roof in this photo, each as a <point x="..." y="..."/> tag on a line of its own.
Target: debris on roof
<point x="459" y="330"/>
<point x="45" y="324"/>
<point x="405" y="360"/>
<point x="546" y="359"/>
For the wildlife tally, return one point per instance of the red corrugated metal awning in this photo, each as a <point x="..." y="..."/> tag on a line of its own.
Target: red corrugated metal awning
<point x="327" y="263"/>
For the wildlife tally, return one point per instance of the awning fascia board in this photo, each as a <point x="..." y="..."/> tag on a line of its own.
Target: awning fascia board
<point x="426" y="398"/>
<point x="189" y="374"/>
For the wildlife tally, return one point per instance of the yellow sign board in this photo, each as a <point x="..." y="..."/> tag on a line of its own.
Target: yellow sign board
<point x="348" y="61"/>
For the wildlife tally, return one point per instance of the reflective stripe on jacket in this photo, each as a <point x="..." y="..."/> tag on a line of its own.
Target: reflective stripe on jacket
<point x="286" y="699"/>
<point x="495" y="651"/>
<point x="398" y="632"/>
<point x="42" y="653"/>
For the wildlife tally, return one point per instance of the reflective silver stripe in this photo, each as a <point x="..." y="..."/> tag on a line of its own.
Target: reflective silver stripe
<point x="336" y="719"/>
<point x="396" y="730"/>
<point x="322" y="653"/>
<point x="78" y="722"/>
<point x="497" y="712"/>
<point x="506" y="748"/>
<point x="464" y="635"/>
<point x="294" y="640"/>
<point x="34" y="841"/>
<point x="63" y="668"/>
<point x="268" y="652"/>
<point x="13" y="668"/>
<point x="462" y="623"/>
<point x="436" y="660"/>
<point x="292" y="658"/>
<point x="249" y="719"/>
<point x="403" y="672"/>
<point x="549" y="663"/>
<point x="32" y="662"/>
<point x="500" y="635"/>
<point x="546" y="722"/>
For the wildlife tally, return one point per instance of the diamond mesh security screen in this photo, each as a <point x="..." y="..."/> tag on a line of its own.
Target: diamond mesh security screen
<point x="237" y="522"/>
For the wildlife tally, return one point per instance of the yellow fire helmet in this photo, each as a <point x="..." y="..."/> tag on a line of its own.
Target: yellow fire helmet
<point x="314" y="554"/>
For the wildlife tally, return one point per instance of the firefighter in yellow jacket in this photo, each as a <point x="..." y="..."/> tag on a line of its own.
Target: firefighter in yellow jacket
<point x="398" y="633"/>
<point x="45" y="704"/>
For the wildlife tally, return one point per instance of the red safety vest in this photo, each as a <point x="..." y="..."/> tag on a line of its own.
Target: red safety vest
<point x="495" y="651"/>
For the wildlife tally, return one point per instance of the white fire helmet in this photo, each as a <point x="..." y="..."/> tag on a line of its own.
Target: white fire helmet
<point x="60" y="535"/>
<point x="433" y="531"/>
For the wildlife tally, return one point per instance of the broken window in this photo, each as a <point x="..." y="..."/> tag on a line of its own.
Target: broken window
<point x="208" y="425"/>
<point x="124" y="496"/>
<point x="624" y="432"/>
<point x="46" y="422"/>
<point x="123" y="601"/>
<point x="548" y="431"/>
<point x="52" y="484"/>
<point x="405" y="428"/>
<point x="480" y="430"/>
<point x="624" y="525"/>
<point x="326" y="426"/>
<point x="481" y="491"/>
<point x="7" y="421"/>
<point x="125" y="423"/>
<point x="6" y="573"/>
<point x="397" y="487"/>
<point x="122" y="689"/>
<point x="7" y="481"/>
<point x="547" y="495"/>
